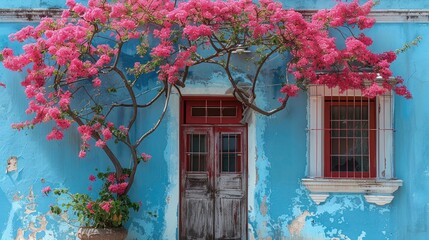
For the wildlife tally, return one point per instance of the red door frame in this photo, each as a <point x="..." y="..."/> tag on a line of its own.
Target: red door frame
<point x="182" y="164"/>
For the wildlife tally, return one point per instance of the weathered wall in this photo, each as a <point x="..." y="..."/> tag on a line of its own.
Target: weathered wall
<point x="279" y="207"/>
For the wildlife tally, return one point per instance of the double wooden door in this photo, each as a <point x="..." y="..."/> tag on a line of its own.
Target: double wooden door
<point x="213" y="183"/>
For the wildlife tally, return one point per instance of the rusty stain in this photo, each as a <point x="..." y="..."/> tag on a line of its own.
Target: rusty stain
<point x="12" y="164"/>
<point x="263" y="208"/>
<point x="297" y="224"/>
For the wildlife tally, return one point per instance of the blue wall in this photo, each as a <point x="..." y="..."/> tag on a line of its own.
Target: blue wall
<point x="277" y="199"/>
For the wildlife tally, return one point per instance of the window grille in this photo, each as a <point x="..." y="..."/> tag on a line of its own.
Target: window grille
<point x="350" y="136"/>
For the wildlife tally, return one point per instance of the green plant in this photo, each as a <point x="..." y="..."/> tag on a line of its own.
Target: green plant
<point x="109" y="210"/>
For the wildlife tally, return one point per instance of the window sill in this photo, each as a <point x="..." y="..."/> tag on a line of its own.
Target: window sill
<point x="377" y="191"/>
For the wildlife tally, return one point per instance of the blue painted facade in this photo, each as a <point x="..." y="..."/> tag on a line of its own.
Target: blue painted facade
<point x="277" y="198"/>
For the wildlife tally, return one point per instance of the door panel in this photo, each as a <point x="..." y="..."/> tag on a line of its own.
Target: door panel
<point x="213" y="183"/>
<point x="228" y="218"/>
<point x="231" y="183"/>
<point x="197" y="184"/>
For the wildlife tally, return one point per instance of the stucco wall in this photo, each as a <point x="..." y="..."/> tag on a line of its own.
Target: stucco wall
<point x="279" y="206"/>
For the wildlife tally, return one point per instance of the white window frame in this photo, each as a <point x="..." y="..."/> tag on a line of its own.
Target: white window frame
<point x="378" y="190"/>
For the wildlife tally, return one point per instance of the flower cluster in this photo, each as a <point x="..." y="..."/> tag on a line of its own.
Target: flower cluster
<point x="67" y="58"/>
<point x="110" y="209"/>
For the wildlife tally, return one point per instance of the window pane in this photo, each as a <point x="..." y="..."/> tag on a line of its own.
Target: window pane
<point x="229" y="151"/>
<point x="229" y="111"/>
<point x="197" y="152"/>
<point x="213" y="112"/>
<point x="198" y="111"/>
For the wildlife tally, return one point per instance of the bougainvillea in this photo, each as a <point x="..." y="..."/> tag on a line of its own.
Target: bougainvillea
<point x="73" y="62"/>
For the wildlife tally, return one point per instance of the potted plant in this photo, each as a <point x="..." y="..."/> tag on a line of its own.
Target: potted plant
<point x="102" y="217"/>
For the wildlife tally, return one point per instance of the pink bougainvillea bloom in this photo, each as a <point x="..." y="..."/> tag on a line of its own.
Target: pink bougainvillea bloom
<point x="90" y="188"/>
<point x="63" y="123"/>
<point x="107" y="134"/>
<point x="89" y="207"/>
<point x="290" y="90"/>
<point x="146" y="157"/>
<point x="100" y="143"/>
<point x="46" y="190"/>
<point x="55" y="134"/>
<point x="82" y="154"/>
<point x="106" y="206"/>
<point x="2" y="85"/>
<point x="96" y="82"/>
<point x="111" y="178"/>
<point x="118" y="188"/>
<point x="124" y="177"/>
<point x="92" y="178"/>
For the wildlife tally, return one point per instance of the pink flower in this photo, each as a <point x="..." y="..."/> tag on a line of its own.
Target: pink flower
<point x="63" y="123"/>
<point x="82" y="154"/>
<point x="123" y="129"/>
<point x="106" y="133"/>
<point x="55" y="134"/>
<point x="46" y="190"/>
<point x="90" y="188"/>
<point x="7" y="52"/>
<point x="106" y="206"/>
<point x="403" y="91"/>
<point x="111" y="178"/>
<point x="92" y="178"/>
<point x="2" y="85"/>
<point x="195" y="32"/>
<point x="374" y="90"/>
<point x="100" y="143"/>
<point x="124" y="177"/>
<point x="290" y="89"/>
<point x="118" y="188"/>
<point x="89" y="207"/>
<point x="96" y="82"/>
<point x="146" y="157"/>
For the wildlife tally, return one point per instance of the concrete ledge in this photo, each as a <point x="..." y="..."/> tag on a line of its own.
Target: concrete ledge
<point x="377" y="191"/>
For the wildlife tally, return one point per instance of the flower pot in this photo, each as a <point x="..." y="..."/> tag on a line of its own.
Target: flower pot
<point x="88" y="233"/>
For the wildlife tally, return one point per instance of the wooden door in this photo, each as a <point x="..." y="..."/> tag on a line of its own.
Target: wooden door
<point x="213" y="183"/>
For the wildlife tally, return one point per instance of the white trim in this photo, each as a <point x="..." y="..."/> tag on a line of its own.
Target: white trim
<point x="316" y="136"/>
<point x="376" y="191"/>
<point x="381" y="16"/>
<point x="384" y="185"/>
<point x="387" y="15"/>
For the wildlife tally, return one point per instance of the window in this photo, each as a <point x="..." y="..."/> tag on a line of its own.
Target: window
<point x="350" y="145"/>
<point x="212" y="111"/>
<point x="350" y="137"/>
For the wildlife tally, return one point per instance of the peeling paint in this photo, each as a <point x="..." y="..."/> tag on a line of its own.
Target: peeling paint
<point x="12" y="164"/>
<point x="17" y="197"/>
<point x="31" y="206"/>
<point x="263" y="207"/>
<point x="297" y="224"/>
